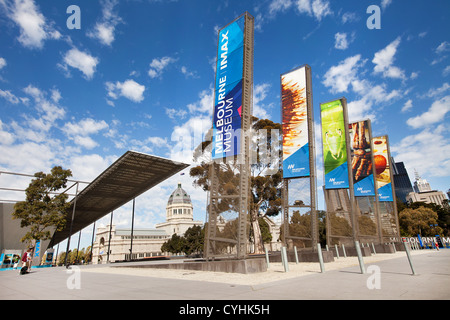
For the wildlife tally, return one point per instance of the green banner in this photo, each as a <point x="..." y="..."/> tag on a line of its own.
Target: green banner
<point x="334" y="145"/>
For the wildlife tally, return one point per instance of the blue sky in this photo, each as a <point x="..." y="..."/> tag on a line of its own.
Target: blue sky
<point x="138" y="75"/>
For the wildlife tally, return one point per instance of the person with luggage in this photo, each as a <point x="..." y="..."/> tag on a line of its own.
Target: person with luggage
<point x="26" y="261"/>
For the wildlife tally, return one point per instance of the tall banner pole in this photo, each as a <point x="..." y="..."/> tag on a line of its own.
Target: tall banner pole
<point x="377" y="201"/>
<point x="394" y="198"/>
<point x="298" y="149"/>
<point x="231" y="133"/>
<point x="350" y="174"/>
<point x="312" y="159"/>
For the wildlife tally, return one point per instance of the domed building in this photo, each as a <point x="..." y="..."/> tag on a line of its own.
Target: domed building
<point x="146" y="242"/>
<point x="179" y="213"/>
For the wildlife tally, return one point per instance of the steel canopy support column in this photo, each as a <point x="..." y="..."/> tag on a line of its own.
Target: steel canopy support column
<point x="71" y="225"/>
<point x="109" y="241"/>
<point x="92" y="242"/>
<point x="132" y="227"/>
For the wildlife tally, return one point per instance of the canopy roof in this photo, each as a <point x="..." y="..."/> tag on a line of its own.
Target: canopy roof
<point x="131" y="175"/>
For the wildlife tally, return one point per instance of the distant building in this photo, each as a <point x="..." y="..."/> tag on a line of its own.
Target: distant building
<point x="436" y="197"/>
<point x="424" y="193"/>
<point x="420" y="185"/>
<point x="402" y="182"/>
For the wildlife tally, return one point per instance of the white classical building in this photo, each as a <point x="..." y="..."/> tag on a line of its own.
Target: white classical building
<point x="146" y="242"/>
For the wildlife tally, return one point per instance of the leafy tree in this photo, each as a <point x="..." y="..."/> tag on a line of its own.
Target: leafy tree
<point x="44" y="209"/>
<point x="265" y="230"/>
<point x="340" y="225"/>
<point x="422" y="220"/>
<point x="366" y="226"/>
<point x="194" y="240"/>
<point x="322" y="216"/>
<point x="174" y="245"/>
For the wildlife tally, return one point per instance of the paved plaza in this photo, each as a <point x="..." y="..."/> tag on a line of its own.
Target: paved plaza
<point x="394" y="281"/>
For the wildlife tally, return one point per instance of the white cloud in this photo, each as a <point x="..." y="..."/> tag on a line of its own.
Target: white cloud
<point x="34" y="28"/>
<point x="188" y="74"/>
<point x="436" y="113"/>
<point x="49" y="111"/>
<point x="341" y="41"/>
<point x="438" y="91"/>
<point x="385" y="3"/>
<point x="147" y="145"/>
<point x="157" y="66"/>
<point x="129" y="89"/>
<point x="446" y="71"/>
<point x="205" y="104"/>
<point x="339" y="77"/>
<point x="427" y="151"/>
<point x="6" y="138"/>
<point x="80" y="60"/>
<point x="346" y="75"/>
<point x="186" y="137"/>
<point x="260" y="93"/>
<point x="84" y="127"/>
<point x="6" y="94"/>
<point x="79" y="132"/>
<point x="279" y="5"/>
<point x="350" y="17"/>
<point x="84" y="141"/>
<point x="88" y="167"/>
<point x="321" y="9"/>
<point x="317" y="8"/>
<point x="314" y="8"/>
<point x="360" y="109"/>
<point x="104" y="29"/>
<point x="28" y="156"/>
<point x="407" y="106"/>
<point x="384" y="60"/>
<point x="443" y="47"/>
<point x="2" y="63"/>
<point x="178" y="114"/>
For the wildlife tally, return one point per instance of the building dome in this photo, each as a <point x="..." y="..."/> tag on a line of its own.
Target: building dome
<point x="179" y="206"/>
<point x="179" y="196"/>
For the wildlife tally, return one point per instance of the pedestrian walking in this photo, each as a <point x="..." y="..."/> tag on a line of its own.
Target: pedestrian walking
<point x="26" y="261"/>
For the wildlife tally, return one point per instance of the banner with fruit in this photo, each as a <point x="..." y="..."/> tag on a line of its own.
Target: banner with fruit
<point x="361" y="158"/>
<point x="382" y="168"/>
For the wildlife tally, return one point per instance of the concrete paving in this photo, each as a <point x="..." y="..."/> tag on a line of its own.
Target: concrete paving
<point x="395" y="282"/>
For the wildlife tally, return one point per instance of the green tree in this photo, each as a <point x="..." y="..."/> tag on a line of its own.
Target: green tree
<point x="366" y="226"/>
<point x="44" y="209"/>
<point x="174" y="245"/>
<point x="322" y="216"/>
<point x="265" y="230"/>
<point x="194" y="240"/>
<point x="423" y="221"/>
